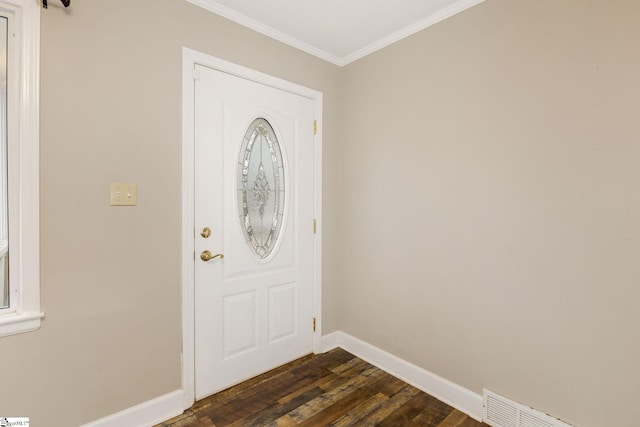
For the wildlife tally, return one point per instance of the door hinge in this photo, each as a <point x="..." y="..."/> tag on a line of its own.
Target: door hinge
<point x="314" y="324"/>
<point x="315" y="226"/>
<point x="315" y="127"/>
<point x="196" y="74"/>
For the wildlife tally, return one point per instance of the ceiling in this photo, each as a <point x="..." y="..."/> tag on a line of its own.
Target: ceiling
<point x="338" y="31"/>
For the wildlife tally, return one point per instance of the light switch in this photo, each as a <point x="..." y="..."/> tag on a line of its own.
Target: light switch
<point x="124" y="194"/>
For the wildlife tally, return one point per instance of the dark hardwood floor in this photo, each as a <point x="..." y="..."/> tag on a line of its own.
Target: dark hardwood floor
<point x="332" y="389"/>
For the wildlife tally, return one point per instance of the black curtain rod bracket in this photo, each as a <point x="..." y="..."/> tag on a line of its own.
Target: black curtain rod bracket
<point x="66" y="3"/>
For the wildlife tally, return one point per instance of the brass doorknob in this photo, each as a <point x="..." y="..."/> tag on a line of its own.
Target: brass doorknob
<point x="207" y="256"/>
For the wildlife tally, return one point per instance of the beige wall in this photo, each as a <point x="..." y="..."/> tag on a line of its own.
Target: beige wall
<point x="111" y="111"/>
<point x="490" y="191"/>
<point x="480" y="211"/>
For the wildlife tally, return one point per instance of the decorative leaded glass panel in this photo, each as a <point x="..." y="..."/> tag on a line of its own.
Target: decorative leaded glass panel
<point x="261" y="187"/>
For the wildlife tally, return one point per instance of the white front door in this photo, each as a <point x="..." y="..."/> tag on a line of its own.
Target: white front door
<point x="253" y="205"/>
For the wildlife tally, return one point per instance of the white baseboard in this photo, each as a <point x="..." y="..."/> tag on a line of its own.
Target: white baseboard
<point x="146" y="414"/>
<point x="331" y="341"/>
<point x="447" y="391"/>
<point x="172" y="404"/>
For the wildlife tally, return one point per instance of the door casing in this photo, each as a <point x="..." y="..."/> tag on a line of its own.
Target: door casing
<point x="189" y="59"/>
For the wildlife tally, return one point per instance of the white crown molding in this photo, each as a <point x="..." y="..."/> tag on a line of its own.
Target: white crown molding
<point x="215" y="7"/>
<point x="427" y="22"/>
<point x="268" y="31"/>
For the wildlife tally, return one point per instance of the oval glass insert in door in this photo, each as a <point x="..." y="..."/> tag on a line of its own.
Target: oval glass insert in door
<point x="261" y="186"/>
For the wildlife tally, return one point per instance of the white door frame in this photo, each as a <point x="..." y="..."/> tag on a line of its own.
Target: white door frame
<point x="189" y="59"/>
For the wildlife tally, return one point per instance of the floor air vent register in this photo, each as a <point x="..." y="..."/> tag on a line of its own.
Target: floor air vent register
<point x="498" y="411"/>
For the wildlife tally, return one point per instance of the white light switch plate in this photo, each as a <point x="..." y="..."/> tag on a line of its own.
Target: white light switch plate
<point x="123" y="194"/>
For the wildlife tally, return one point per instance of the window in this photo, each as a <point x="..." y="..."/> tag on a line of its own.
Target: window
<point x="19" y="163"/>
<point x="261" y="187"/>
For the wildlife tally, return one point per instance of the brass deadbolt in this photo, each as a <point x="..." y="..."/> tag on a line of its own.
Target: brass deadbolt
<point x="206" y="232"/>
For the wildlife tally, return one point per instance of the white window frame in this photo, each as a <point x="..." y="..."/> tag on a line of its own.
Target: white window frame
<point x="23" y="313"/>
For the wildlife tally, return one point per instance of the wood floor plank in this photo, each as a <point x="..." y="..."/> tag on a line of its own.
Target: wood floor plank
<point x="270" y="414"/>
<point x="431" y="416"/>
<point x="185" y="420"/>
<point x="353" y="417"/>
<point x="259" y="396"/>
<point x="390" y="406"/>
<point x="332" y="396"/>
<point x="470" y="422"/>
<point x="346" y="377"/>
<point x="408" y="411"/>
<point x="454" y="419"/>
<point x="388" y="385"/>
<point x="255" y="399"/>
<point x="337" y="410"/>
<point x="334" y="389"/>
<point x="333" y="358"/>
<point x="319" y="384"/>
<point x="189" y="421"/>
<point x="354" y="363"/>
<point x="322" y="377"/>
<point x="229" y="402"/>
<point x="285" y="421"/>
